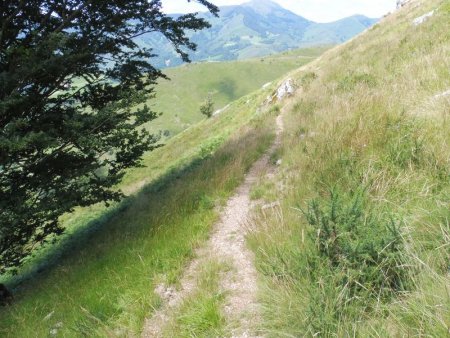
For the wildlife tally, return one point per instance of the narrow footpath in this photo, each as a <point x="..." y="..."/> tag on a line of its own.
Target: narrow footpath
<point x="226" y="244"/>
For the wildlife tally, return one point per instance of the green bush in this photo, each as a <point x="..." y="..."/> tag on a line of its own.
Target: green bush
<point x="365" y="250"/>
<point x="209" y="147"/>
<point x="359" y="257"/>
<point x="207" y="107"/>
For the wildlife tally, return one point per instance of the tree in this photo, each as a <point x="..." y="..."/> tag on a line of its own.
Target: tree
<point x="207" y="107"/>
<point x="71" y="77"/>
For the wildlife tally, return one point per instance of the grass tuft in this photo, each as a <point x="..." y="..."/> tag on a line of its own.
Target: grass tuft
<point x="201" y="314"/>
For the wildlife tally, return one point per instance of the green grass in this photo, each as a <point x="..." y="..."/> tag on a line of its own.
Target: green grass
<point x="99" y="279"/>
<point x="361" y="246"/>
<point x="201" y="314"/>
<point x="180" y="98"/>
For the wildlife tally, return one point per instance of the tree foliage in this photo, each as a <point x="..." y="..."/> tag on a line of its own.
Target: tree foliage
<point x="71" y="77"/>
<point x="207" y="107"/>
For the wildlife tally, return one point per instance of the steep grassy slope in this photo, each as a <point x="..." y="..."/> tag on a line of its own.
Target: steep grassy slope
<point x="360" y="245"/>
<point x="99" y="280"/>
<point x="180" y="98"/>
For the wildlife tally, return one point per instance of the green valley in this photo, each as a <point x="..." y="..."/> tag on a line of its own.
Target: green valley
<point x="180" y="98"/>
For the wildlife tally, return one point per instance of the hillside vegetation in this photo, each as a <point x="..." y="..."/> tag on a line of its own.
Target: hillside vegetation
<point x="353" y="238"/>
<point x="99" y="278"/>
<point x="360" y="245"/>
<point x="180" y="98"/>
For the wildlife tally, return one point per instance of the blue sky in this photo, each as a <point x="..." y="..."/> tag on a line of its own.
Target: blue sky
<point x="316" y="10"/>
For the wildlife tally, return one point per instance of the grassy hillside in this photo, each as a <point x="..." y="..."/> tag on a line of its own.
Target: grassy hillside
<point x="99" y="280"/>
<point x="360" y="245"/>
<point x="179" y="99"/>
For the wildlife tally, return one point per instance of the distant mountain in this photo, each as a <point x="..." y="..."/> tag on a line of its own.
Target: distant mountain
<point x="254" y="29"/>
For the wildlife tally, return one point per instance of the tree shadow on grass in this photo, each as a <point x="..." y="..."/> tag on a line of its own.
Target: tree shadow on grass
<point x="68" y="244"/>
<point x="227" y="86"/>
<point x="121" y="226"/>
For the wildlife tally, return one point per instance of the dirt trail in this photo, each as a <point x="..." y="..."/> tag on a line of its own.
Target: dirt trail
<point x="227" y="244"/>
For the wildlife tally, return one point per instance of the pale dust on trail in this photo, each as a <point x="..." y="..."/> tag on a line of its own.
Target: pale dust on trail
<point x="227" y="244"/>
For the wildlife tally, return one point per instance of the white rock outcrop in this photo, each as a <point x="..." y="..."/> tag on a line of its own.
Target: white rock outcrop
<point x="421" y="19"/>
<point x="286" y="89"/>
<point x="444" y="94"/>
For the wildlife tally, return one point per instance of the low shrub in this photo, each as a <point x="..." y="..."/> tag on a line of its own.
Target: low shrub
<point x="307" y="79"/>
<point x="207" y="107"/>
<point x="363" y="249"/>
<point x="358" y="261"/>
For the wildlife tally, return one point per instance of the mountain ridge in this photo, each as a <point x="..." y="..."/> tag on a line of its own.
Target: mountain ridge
<point x="256" y="29"/>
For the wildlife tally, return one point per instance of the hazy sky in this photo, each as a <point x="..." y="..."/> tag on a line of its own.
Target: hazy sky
<point x="316" y="10"/>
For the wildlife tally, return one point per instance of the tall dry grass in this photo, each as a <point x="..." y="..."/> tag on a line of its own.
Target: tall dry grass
<point x="368" y="124"/>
